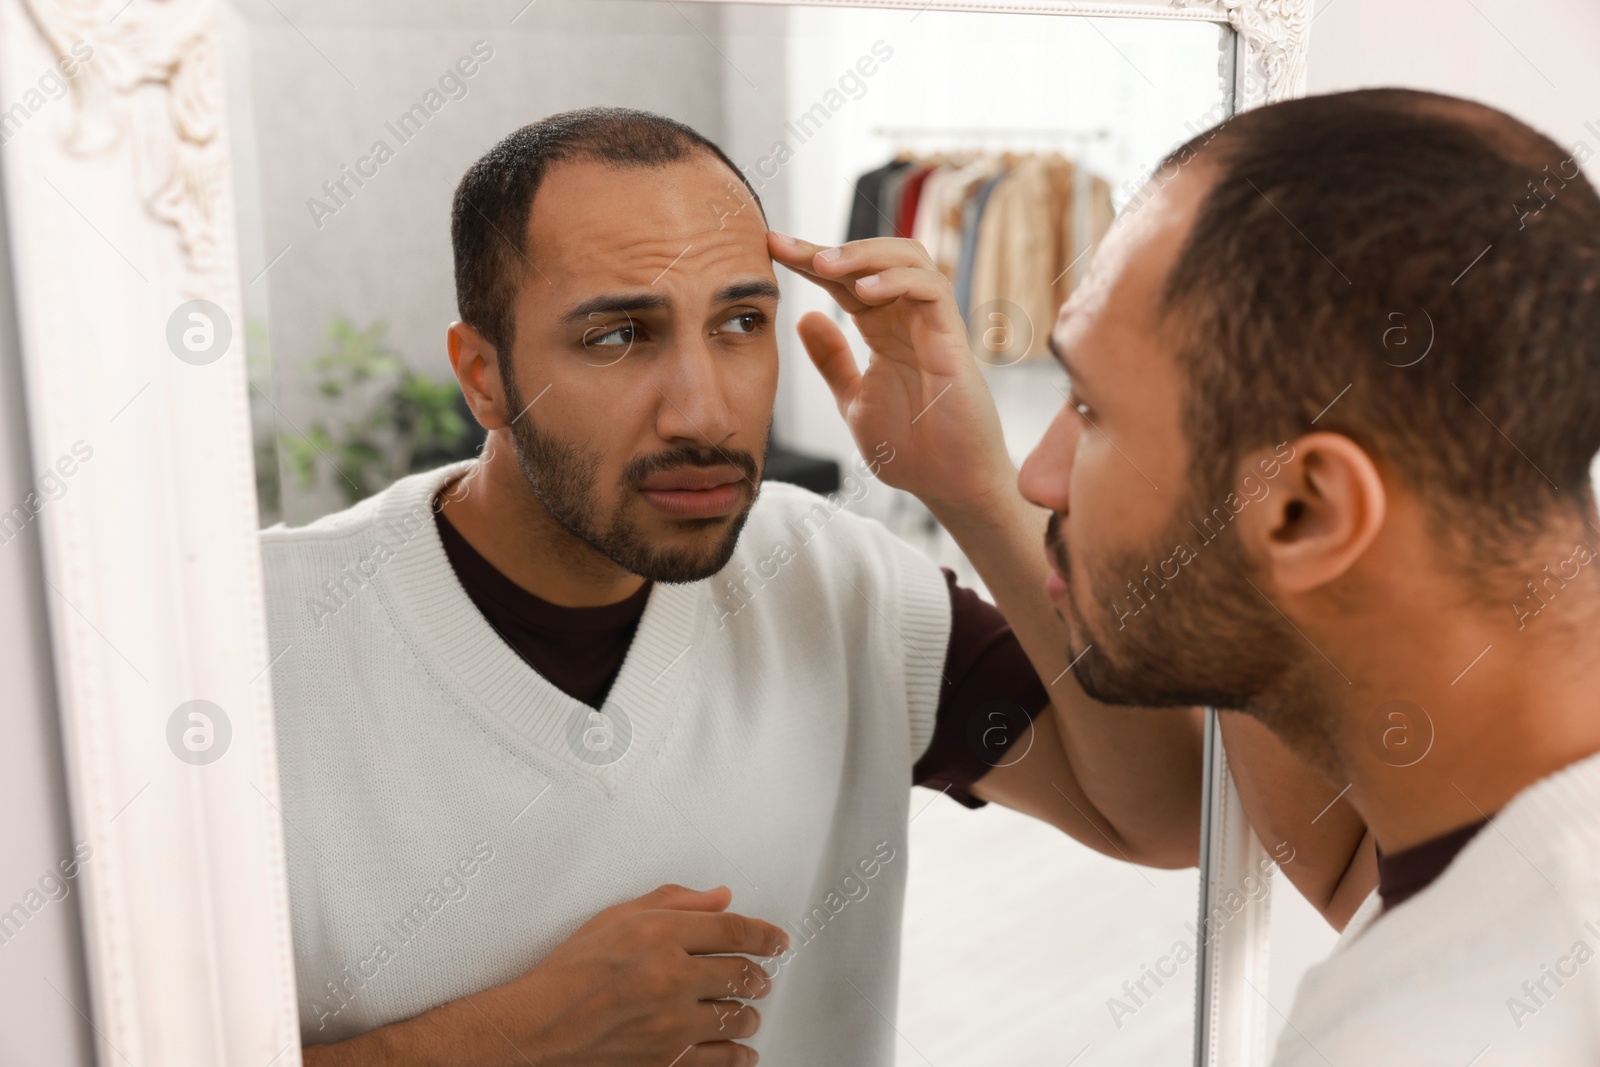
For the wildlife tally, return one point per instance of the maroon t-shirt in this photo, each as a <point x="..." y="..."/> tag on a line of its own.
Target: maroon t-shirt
<point x="1404" y="874"/>
<point x="990" y="693"/>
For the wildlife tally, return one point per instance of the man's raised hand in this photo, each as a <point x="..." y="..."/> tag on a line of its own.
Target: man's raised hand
<point x="922" y="391"/>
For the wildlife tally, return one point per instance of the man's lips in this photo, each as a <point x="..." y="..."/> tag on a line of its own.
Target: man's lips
<point x="1056" y="586"/>
<point x="693" y="478"/>
<point x="694" y="492"/>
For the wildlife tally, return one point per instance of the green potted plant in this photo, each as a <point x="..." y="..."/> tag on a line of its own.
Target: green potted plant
<point x="382" y="419"/>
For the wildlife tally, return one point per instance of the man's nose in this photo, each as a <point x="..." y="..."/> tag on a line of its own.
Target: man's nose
<point x="1046" y="475"/>
<point x="694" y="408"/>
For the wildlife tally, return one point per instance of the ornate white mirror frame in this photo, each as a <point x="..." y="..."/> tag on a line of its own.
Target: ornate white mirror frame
<point x="118" y="219"/>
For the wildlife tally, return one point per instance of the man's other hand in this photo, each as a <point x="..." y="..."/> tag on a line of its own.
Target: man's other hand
<point x="657" y="980"/>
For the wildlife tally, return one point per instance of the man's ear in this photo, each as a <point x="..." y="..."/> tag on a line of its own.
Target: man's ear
<point x="1325" y="508"/>
<point x="477" y="368"/>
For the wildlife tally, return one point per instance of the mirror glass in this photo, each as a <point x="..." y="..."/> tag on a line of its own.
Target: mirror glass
<point x="351" y="125"/>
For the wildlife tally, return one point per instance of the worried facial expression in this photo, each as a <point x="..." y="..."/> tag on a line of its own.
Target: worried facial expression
<point x="645" y="361"/>
<point x="1150" y="573"/>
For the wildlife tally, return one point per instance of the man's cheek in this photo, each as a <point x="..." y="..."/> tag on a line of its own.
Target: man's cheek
<point x="1084" y="581"/>
<point x="757" y="393"/>
<point x="753" y="407"/>
<point x="1094" y="616"/>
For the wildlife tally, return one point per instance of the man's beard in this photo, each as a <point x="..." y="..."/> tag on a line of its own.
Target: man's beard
<point x="564" y="479"/>
<point x="1203" y="635"/>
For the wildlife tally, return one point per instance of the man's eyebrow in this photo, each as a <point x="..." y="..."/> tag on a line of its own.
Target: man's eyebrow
<point x="761" y="287"/>
<point x="1061" y="357"/>
<point x="612" y="302"/>
<point x="609" y="303"/>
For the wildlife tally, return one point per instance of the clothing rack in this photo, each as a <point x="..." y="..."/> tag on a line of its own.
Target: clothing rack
<point x="1081" y="224"/>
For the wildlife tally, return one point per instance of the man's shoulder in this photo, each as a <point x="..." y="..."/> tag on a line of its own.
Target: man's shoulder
<point x="810" y="512"/>
<point x="281" y="539"/>
<point x="349" y="549"/>
<point x="1529" y="876"/>
<point x="824" y="531"/>
<point x="404" y="504"/>
<point x="812" y="549"/>
<point x="1467" y="961"/>
<point x="1457" y="982"/>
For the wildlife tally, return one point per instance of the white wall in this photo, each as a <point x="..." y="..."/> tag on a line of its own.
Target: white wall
<point x="1533" y="58"/>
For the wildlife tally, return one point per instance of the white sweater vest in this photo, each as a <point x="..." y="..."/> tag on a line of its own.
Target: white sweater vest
<point x="450" y="816"/>
<point x="1497" y="963"/>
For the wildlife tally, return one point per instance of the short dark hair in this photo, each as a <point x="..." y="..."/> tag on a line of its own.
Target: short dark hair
<point x="489" y="217"/>
<point x="1334" y="221"/>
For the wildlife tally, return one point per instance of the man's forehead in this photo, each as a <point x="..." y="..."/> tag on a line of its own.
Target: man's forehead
<point x="1122" y="288"/>
<point x="694" y="210"/>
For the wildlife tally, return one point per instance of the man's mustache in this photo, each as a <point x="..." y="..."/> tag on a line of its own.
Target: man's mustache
<point x="641" y="467"/>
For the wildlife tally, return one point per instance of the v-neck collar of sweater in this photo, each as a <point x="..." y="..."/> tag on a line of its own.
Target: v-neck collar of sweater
<point x="431" y="601"/>
<point x="1546" y="816"/>
<point x="491" y="584"/>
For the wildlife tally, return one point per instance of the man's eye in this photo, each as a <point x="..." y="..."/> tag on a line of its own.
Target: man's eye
<point x="622" y="335"/>
<point x="746" y="322"/>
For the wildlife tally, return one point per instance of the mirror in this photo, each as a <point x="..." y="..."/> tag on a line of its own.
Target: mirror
<point x="351" y="126"/>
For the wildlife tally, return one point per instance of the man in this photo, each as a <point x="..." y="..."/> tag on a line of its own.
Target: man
<point x="1355" y="341"/>
<point x="523" y="701"/>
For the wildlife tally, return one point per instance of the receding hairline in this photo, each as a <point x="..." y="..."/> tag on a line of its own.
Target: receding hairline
<point x="693" y="154"/>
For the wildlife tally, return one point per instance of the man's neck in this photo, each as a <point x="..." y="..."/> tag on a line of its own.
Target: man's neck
<point x="494" y="508"/>
<point x="1448" y="734"/>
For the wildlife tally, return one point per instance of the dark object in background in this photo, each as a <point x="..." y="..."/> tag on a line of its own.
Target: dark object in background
<point x="821" y="476"/>
<point x="468" y="444"/>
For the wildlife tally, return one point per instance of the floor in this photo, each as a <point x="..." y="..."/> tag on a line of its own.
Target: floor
<point x="1017" y="938"/>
